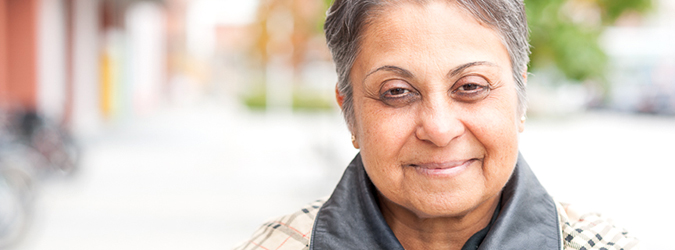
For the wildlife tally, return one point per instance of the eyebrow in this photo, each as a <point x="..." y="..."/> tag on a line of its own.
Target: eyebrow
<point x="391" y="68"/>
<point x="453" y="72"/>
<point x="462" y="67"/>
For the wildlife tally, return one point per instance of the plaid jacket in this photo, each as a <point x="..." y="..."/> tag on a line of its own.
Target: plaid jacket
<point x="589" y="231"/>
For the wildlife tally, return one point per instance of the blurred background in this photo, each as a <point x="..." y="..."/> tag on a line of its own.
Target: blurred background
<point x="174" y="124"/>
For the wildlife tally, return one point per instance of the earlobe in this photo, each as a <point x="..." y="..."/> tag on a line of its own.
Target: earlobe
<point x="340" y="98"/>
<point x="355" y="143"/>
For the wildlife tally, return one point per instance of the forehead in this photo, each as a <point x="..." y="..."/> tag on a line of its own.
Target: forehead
<point x="407" y="30"/>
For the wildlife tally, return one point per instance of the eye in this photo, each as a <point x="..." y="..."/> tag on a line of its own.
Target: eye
<point x="397" y="93"/>
<point x="470" y="89"/>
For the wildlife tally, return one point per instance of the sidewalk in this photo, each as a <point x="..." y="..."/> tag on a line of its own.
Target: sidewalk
<point x="207" y="176"/>
<point x="193" y="178"/>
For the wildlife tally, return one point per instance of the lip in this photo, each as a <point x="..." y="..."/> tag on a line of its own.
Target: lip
<point x="445" y="169"/>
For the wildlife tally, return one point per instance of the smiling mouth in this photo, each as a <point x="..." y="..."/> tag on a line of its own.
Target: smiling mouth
<point x="445" y="169"/>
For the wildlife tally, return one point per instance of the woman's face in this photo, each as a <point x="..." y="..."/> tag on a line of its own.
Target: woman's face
<point x="436" y="109"/>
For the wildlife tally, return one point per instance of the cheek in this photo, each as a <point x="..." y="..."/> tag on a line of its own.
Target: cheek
<point x="495" y="118"/>
<point x="383" y="130"/>
<point x="494" y="126"/>
<point x="497" y="134"/>
<point x="382" y="134"/>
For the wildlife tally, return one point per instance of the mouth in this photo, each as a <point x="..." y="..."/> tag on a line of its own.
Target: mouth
<point x="444" y="169"/>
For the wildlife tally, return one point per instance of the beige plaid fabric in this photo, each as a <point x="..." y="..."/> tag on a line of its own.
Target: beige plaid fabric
<point x="586" y="232"/>
<point x="591" y="231"/>
<point x="290" y="232"/>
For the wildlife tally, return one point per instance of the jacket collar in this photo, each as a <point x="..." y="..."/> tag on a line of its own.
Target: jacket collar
<point x="351" y="218"/>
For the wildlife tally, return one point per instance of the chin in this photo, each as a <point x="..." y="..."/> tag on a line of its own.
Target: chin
<point x="444" y="205"/>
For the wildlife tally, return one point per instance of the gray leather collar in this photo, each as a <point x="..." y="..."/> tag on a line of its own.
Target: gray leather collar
<point x="351" y="218"/>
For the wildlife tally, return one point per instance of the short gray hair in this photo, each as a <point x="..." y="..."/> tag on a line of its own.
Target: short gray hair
<point x="346" y="18"/>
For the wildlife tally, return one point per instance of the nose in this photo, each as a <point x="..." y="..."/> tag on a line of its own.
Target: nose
<point x="438" y="124"/>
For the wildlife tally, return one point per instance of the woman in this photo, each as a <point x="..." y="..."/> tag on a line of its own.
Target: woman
<point x="434" y="95"/>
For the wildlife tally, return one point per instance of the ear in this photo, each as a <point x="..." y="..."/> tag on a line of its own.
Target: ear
<point x="340" y="98"/>
<point x="521" y="123"/>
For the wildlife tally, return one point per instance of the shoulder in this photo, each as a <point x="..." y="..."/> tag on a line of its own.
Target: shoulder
<point x="591" y="231"/>
<point x="288" y="232"/>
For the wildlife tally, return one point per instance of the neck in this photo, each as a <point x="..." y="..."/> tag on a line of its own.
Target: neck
<point x="415" y="232"/>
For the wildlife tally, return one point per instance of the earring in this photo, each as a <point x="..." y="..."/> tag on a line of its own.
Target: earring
<point x="523" y="118"/>
<point x="356" y="144"/>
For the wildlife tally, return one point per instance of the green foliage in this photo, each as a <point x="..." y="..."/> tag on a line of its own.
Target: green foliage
<point x="312" y="101"/>
<point x="572" y="45"/>
<point x="613" y="9"/>
<point x="302" y="100"/>
<point x="256" y="100"/>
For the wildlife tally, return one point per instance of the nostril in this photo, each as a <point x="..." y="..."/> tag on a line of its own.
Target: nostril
<point x="439" y="129"/>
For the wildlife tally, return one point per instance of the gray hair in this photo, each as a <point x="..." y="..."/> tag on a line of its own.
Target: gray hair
<point x="346" y="18"/>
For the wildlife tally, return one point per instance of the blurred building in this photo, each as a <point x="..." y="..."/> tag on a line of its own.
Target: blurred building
<point x="88" y="62"/>
<point x="83" y="62"/>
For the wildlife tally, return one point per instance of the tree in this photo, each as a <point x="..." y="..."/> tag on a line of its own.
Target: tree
<point x="564" y="33"/>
